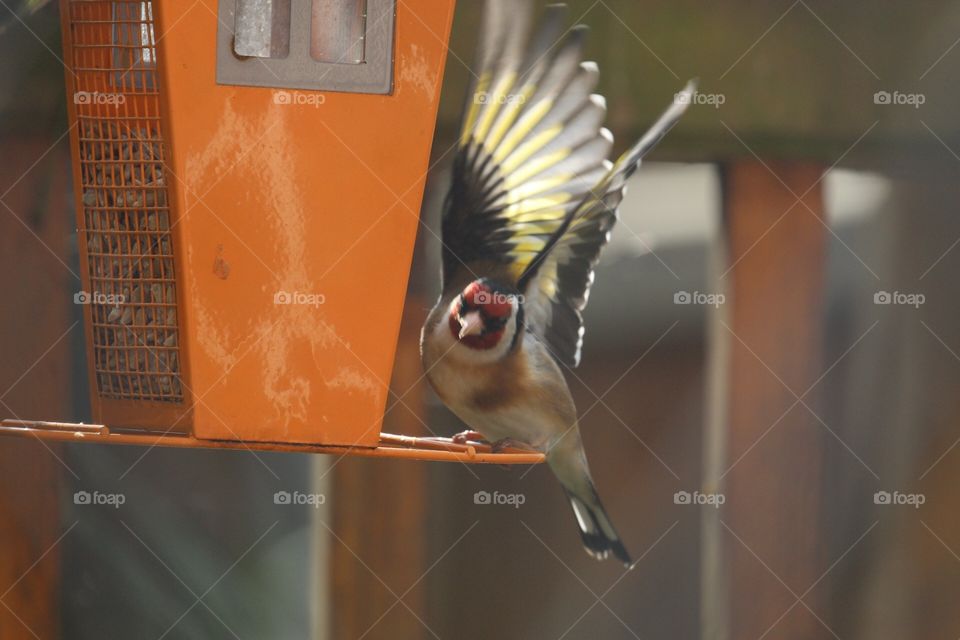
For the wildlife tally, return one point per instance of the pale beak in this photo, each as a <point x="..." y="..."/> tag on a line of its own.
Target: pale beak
<point x="470" y="324"/>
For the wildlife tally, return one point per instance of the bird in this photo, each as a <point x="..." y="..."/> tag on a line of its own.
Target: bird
<point x="531" y="203"/>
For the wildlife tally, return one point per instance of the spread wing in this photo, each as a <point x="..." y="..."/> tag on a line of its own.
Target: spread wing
<point x="556" y="284"/>
<point x="530" y="148"/>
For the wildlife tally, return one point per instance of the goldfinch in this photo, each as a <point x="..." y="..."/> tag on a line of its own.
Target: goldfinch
<point x="531" y="204"/>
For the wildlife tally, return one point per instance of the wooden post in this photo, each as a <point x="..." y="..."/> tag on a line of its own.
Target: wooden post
<point x="29" y="529"/>
<point x="769" y="344"/>
<point x="35" y="378"/>
<point x="382" y="526"/>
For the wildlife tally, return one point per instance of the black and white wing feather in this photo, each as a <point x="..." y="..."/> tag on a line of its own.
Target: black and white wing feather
<point x="533" y="196"/>
<point x="556" y="284"/>
<point x="531" y="145"/>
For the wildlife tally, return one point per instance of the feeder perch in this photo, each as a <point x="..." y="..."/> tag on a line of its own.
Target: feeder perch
<point x="248" y="186"/>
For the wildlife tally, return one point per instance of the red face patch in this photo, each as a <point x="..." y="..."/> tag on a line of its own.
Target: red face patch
<point x="494" y="304"/>
<point x="495" y="308"/>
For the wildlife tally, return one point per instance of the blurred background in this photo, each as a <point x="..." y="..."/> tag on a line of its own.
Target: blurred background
<point x="768" y="388"/>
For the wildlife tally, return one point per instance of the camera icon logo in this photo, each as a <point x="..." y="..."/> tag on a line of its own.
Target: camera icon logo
<point x="682" y="497"/>
<point x="882" y="97"/>
<point x="81" y="297"/>
<point x="483" y="298"/>
<point x="82" y="497"/>
<point x="882" y="297"/>
<point x="282" y="497"/>
<point x="482" y="497"/>
<point x="882" y="497"/>
<point x="282" y="297"/>
<point x="682" y="297"/>
<point x="282" y="97"/>
<point x="681" y="98"/>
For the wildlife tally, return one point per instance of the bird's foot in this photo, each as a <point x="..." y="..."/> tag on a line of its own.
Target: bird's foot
<point x="509" y="443"/>
<point x="464" y="436"/>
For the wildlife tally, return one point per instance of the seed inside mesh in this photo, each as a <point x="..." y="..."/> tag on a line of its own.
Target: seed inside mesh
<point x="130" y="262"/>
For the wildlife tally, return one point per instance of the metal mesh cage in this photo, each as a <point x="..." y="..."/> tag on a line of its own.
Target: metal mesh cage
<point x="126" y="222"/>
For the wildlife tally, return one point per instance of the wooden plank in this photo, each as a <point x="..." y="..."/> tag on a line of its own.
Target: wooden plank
<point x="797" y="79"/>
<point x="774" y="446"/>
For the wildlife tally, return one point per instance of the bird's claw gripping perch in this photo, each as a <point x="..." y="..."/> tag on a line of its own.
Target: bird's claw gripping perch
<point x="509" y="443"/>
<point x="468" y="436"/>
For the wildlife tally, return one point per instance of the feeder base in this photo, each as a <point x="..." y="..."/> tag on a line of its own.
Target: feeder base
<point x="390" y="446"/>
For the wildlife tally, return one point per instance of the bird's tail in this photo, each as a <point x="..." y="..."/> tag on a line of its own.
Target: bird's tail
<point x="600" y="539"/>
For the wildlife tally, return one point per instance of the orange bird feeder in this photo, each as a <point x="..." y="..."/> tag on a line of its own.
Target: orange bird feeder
<point x="248" y="185"/>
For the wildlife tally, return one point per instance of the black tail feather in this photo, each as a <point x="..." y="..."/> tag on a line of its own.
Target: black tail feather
<point x="600" y="539"/>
